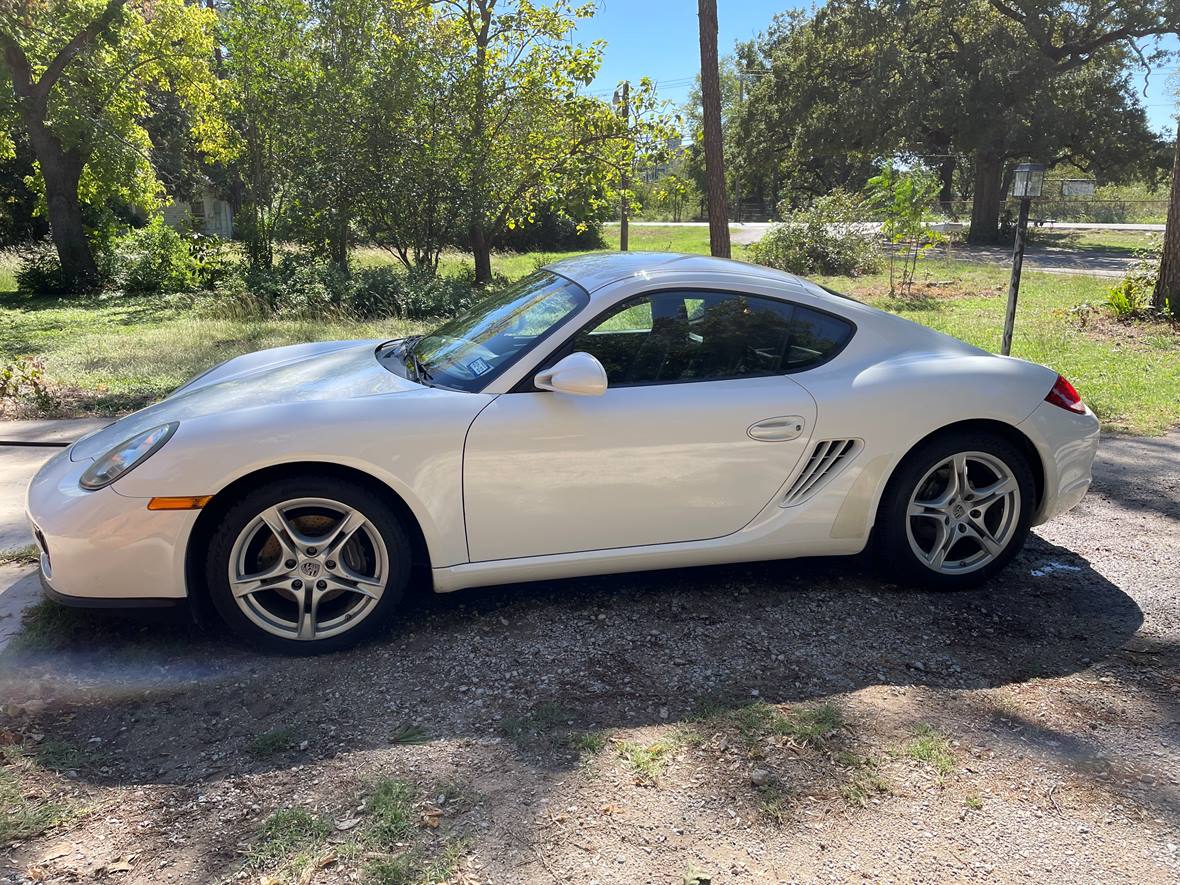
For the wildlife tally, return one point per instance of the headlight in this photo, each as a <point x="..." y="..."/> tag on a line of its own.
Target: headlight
<point x="125" y="456"/>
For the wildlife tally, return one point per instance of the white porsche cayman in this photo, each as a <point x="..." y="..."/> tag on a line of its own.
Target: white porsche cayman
<point x="608" y="413"/>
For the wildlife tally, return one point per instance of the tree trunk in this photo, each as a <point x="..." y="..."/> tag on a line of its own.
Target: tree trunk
<point x="482" y="252"/>
<point x="61" y="171"/>
<point x="946" y="189"/>
<point x="1167" y="287"/>
<point x="985" y="200"/>
<point x="711" y="115"/>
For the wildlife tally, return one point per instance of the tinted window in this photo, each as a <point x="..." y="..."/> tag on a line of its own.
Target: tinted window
<point x="706" y="336"/>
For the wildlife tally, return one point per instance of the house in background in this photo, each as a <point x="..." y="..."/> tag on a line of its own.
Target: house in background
<point x="206" y="213"/>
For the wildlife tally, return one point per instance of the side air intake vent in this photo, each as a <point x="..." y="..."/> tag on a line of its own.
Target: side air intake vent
<point x="827" y="459"/>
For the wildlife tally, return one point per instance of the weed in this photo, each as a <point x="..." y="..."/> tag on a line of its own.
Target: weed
<point x="587" y="743"/>
<point x="865" y="780"/>
<point x="22" y="817"/>
<point x="277" y="740"/>
<point x="773" y="800"/>
<point x="933" y="748"/>
<point x="539" y="721"/>
<point x="27" y="555"/>
<point x="647" y="761"/>
<point x="804" y="725"/>
<point x="409" y="734"/>
<point x="973" y="802"/>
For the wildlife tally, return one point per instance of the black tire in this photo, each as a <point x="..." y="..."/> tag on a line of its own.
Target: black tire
<point x="243" y="512"/>
<point x="892" y="544"/>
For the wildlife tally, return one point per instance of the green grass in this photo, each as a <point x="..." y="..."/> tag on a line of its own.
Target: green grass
<point x="932" y="748"/>
<point x="1129" y="375"/>
<point x="804" y="725"/>
<point x="289" y="840"/>
<point x="115" y="353"/>
<point x="21" y="816"/>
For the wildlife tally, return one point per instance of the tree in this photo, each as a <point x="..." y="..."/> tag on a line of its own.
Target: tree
<point x="529" y="135"/>
<point x="1071" y="34"/>
<point x="713" y="139"/>
<point x="961" y="82"/>
<point x="78" y="73"/>
<point x="268" y="73"/>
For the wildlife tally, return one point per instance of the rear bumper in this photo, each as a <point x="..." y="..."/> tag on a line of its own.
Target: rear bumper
<point x="102" y="548"/>
<point x="1067" y="443"/>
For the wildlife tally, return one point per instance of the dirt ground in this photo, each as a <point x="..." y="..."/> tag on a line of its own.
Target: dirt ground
<point x="790" y="721"/>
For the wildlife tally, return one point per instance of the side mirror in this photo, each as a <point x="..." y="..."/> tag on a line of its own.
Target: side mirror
<point x="579" y="374"/>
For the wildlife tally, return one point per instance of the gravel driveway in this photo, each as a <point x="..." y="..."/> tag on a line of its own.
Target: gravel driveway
<point x="792" y="721"/>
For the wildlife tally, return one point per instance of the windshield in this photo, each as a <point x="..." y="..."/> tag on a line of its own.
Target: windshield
<point x="476" y="346"/>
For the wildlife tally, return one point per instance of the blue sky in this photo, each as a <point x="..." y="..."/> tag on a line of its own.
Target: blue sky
<point x="658" y="39"/>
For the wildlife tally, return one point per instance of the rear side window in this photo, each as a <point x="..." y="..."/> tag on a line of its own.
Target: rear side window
<point x="670" y="337"/>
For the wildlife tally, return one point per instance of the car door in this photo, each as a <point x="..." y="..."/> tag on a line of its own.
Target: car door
<point x="700" y="426"/>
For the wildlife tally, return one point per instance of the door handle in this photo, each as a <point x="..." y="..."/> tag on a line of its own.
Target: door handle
<point x="777" y="429"/>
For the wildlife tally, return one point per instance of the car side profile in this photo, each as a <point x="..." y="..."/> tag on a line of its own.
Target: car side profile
<point x="609" y="413"/>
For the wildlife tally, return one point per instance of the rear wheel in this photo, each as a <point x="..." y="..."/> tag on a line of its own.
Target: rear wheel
<point x="956" y="511"/>
<point x="308" y="565"/>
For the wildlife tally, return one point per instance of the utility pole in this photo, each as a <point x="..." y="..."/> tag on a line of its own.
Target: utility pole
<point x="623" y="108"/>
<point x="714" y="146"/>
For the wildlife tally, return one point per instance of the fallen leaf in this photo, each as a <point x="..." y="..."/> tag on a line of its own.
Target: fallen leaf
<point x="37" y="874"/>
<point x="432" y="817"/>
<point x="347" y="823"/>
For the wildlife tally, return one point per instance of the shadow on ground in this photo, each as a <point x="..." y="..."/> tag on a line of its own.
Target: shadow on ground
<point x="169" y="703"/>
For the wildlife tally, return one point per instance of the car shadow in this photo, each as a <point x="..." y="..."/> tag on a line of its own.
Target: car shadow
<point x="166" y="702"/>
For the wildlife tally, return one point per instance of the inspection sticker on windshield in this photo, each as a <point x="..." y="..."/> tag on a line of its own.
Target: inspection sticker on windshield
<point x="478" y="366"/>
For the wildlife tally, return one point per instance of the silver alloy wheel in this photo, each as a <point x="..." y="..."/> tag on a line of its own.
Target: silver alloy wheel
<point x="308" y="568"/>
<point x="963" y="513"/>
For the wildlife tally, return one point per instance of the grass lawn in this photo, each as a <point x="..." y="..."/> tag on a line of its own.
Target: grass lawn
<point x="1112" y="242"/>
<point x="106" y="355"/>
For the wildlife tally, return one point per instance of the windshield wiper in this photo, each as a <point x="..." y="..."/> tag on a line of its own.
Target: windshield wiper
<point x="421" y="373"/>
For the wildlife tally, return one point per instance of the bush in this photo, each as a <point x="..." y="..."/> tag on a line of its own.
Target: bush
<point x="387" y="291"/>
<point x="40" y="273"/>
<point x="551" y="231"/>
<point x="155" y="259"/>
<point x="301" y="286"/>
<point x="828" y="237"/>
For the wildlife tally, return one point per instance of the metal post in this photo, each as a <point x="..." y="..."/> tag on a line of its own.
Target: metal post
<point x="1014" y="285"/>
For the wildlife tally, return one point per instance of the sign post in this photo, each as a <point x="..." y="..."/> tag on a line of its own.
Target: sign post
<point x="1027" y="181"/>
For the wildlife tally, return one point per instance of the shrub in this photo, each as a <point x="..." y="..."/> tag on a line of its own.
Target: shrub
<point x="828" y="237"/>
<point x="40" y="273"/>
<point x="155" y="259"/>
<point x="1131" y="298"/>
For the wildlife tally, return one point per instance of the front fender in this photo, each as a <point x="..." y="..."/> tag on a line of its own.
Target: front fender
<point x="414" y="446"/>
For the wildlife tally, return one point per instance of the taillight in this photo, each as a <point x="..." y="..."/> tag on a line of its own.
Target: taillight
<point x="1064" y="395"/>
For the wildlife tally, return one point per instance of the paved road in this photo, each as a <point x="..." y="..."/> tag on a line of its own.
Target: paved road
<point x="1049" y="260"/>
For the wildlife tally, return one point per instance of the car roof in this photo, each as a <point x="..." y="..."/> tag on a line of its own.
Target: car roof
<point x="597" y="269"/>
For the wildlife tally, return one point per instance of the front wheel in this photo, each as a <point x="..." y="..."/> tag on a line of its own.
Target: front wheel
<point x="956" y="511"/>
<point x="307" y="565"/>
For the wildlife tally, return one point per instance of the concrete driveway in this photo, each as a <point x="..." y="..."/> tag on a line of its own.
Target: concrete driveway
<point x="24" y="447"/>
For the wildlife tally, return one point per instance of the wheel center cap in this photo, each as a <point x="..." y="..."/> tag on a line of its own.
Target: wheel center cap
<point x="310" y="568"/>
<point x="958" y="510"/>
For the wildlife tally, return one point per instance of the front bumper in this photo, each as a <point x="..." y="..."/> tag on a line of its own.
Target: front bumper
<point x="103" y="548"/>
<point x="1067" y="443"/>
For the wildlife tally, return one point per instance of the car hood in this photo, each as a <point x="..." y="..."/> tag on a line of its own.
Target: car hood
<point x="322" y="371"/>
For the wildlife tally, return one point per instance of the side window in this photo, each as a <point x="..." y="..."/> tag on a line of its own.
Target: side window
<point x="707" y="336"/>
